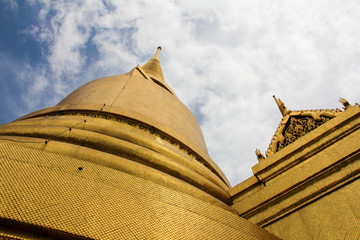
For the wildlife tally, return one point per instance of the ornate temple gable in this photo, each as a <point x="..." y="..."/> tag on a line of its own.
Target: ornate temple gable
<point x="295" y="124"/>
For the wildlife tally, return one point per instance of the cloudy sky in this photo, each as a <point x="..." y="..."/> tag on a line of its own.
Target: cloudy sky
<point x="224" y="59"/>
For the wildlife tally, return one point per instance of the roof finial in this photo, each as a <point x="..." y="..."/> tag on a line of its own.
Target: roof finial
<point x="153" y="67"/>
<point x="259" y="155"/>
<point x="345" y="103"/>
<point x="281" y="106"/>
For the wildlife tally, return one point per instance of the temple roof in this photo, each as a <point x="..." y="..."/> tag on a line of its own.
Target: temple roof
<point x="296" y="123"/>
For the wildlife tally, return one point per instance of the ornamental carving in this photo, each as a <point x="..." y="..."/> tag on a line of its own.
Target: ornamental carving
<point x="296" y="124"/>
<point x="298" y="127"/>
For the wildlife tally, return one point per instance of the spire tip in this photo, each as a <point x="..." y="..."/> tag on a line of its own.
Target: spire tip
<point x="153" y="67"/>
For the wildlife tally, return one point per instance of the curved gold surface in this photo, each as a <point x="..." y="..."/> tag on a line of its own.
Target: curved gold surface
<point x="119" y="147"/>
<point x="136" y="97"/>
<point x="49" y="195"/>
<point x="120" y="130"/>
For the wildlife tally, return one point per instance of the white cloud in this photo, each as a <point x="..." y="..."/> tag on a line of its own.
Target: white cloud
<point x="223" y="59"/>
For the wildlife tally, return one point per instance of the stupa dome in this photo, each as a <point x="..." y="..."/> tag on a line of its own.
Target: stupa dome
<point x="143" y="96"/>
<point x="119" y="158"/>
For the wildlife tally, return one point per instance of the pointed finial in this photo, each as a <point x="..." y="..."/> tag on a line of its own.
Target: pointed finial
<point x="345" y="103"/>
<point x="281" y="106"/>
<point x="157" y="54"/>
<point x="153" y="67"/>
<point x="259" y="155"/>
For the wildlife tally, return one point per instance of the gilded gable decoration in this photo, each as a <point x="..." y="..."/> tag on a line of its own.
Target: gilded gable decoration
<point x="295" y="124"/>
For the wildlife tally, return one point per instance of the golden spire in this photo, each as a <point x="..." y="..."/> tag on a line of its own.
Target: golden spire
<point x="153" y="67"/>
<point x="281" y="106"/>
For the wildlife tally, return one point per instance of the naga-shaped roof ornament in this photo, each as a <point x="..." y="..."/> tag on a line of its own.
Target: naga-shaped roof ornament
<point x="281" y="106"/>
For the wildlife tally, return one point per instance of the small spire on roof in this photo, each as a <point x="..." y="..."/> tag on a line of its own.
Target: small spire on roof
<point x="259" y="155"/>
<point x="153" y="67"/>
<point x="281" y="106"/>
<point x="345" y="103"/>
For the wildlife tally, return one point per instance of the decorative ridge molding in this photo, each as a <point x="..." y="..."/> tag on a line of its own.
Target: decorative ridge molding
<point x="301" y="194"/>
<point x="308" y="146"/>
<point x="316" y="165"/>
<point x="291" y="126"/>
<point x="137" y="124"/>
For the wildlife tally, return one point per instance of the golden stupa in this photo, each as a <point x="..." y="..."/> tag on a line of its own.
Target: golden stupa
<point x="119" y="158"/>
<point x="122" y="158"/>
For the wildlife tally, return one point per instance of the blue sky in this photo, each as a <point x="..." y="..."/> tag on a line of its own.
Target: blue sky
<point x="15" y="47"/>
<point x="224" y="59"/>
